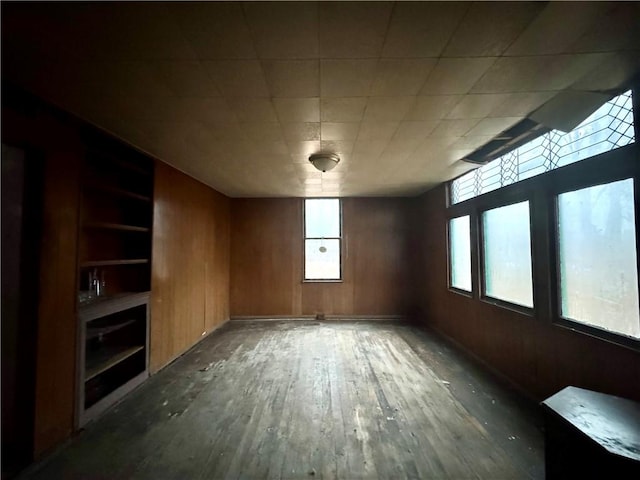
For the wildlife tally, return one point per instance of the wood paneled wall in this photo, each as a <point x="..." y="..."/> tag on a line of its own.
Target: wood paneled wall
<point x="57" y="145"/>
<point x="190" y="264"/>
<point x="267" y="256"/>
<point x="539" y="357"/>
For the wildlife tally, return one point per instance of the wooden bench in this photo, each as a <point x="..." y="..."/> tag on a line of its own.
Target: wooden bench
<point x="591" y="435"/>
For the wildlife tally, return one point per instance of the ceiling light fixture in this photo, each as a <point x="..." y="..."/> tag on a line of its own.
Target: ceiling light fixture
<point x="324" y="161"/>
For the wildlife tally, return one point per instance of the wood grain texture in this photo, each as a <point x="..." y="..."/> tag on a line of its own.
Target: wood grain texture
<point x="56" y="142"/>
<point x="304" y="399"/>
<point x="56" y="344"/>
<point x="538" y="356"/>
<point x="189" y="268"/>
<point x="267" y="256"/>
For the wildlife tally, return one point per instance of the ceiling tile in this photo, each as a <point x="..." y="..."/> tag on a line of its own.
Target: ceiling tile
<point x="340" y="131"/>
<point x="377" y="130"/>
<point x="421" y="29"/>
<point x="342" y="109"/>
<point x="238" y="78"/>
<point x="342" y="147"/>
<point x="293" y="78"/>
<point x="564" y="70"/>
<point x="283" y="29"/>
<point x="476" y="106"/>
<point x="346" y="78"/>
<point x="228" y="131"/>
<point x="511" y="74"/>
<point x="215" y="30"/>
<point x="455" y="128"/>
<point x="253" y="109"/>
<point x="185" y="78"/>
<point x="521" y="104"/>
<point x="493" y="126"/>
<point x="489" y="28"/>
<point x="301" y="131"/>
<point x="353" y="29"/>
<point x="616" y="30"/>
<point x="455" y="75"/>
<point x="371" y="148"/>
<point x="387" y="109"/>
<point x="550" y="32"/>
<point x="410" y="131"/>
<point x="400" y="77"/>
<point x="297" y="109"/>
<point x="432" y="107"/>
<point x="263" y="131"/>
<point x="612" y="74"/>
<point x="303" y="149"/>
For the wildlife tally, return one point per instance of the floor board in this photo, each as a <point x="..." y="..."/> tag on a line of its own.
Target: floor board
<point x="307" y="399"/>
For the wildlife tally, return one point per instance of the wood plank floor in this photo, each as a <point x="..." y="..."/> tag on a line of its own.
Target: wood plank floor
<point x="303" y="399"/>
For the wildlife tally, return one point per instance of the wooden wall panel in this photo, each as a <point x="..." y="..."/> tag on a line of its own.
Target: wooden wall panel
<point x="267" y="256"/>
<point x="58" y="146"/>
<point x="189" y="271"/>
<point x="56" y="345"/>
<point x="539" y="357"/>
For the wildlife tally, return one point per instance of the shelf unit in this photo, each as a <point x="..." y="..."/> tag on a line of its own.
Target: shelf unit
<point x="114" y="248"/>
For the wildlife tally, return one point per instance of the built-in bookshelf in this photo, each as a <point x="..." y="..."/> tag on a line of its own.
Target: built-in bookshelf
<point x="114" y="259"/>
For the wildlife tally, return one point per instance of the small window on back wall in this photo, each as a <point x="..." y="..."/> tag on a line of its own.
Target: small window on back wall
<point x="460" y="253"/>
<point x="507" y="254"/>
<point x="322" y="239"/>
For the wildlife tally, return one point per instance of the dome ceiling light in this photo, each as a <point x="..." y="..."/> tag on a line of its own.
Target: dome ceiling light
<point x="324" y="161"/>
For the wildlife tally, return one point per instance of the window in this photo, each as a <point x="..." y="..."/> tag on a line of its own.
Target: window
<point x="597" y="257"/>
<point x="322" y="238"/>
<point x="460" y="253"/>
<point x="507" y="254"/>
<point x="608" y="128"/>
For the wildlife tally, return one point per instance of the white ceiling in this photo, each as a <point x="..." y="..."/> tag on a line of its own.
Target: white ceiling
<point x="239" y="94"/>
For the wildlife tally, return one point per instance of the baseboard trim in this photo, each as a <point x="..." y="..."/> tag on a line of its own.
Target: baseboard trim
<point x="345" y="318"/>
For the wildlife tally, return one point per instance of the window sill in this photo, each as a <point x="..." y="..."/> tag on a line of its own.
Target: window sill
<point x="323" y="281"/>
<point x="598" y="333"/>
<point x="514" y="307"/>
<point x="459" y="291"/>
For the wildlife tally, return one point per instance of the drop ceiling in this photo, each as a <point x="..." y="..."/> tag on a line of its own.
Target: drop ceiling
<point x="239" y="94"/>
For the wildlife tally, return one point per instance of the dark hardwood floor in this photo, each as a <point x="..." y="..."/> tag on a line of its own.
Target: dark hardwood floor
<point x="303" y="399"/>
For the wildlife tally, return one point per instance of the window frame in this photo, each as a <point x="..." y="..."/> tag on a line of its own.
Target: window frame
<point x="461" y="291"/>
<point x="305" y="238"/>
<point x="542" y="193"/>
<point x="530" y="311"/>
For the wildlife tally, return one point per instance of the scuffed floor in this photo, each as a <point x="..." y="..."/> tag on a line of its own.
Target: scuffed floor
<point x="303" y="399"/>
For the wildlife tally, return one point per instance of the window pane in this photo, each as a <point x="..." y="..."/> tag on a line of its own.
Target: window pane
<point x="597" y="245"/>
<point x="460" y="238"/>
<point x="322" y="218"/>
<point x="319" y="264"/>
<point x="507" y="254"/>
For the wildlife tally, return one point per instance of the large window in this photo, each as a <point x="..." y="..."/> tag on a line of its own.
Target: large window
<point x="507" y="254"/>
<point x="460" y="253"/>
<point x="597" y="257"/>
<point x="608" y="128"/>
<point x="323" y="233"/>
<point x="558" y="244"/>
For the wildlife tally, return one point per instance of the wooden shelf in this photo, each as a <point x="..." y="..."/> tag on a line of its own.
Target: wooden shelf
<point x="104" y="359"/>
<point x="116" y="192"/>
<point x="115" y="226"/>
<point x="109" y="263"/>
<point x="103" y="306"/>
<point x="95" y="332"/>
